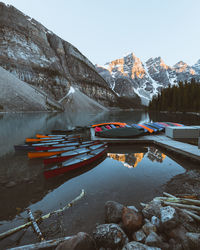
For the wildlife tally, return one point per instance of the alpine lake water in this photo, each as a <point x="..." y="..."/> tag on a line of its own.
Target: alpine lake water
<point x="128" y="174"/>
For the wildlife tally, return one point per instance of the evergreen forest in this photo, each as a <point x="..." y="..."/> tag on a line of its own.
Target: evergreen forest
<point x="184" y="97"/>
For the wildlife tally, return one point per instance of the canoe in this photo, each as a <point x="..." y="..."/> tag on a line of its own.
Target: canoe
<point x="120" y="133"/>
<point x="55" y="151"/>
<point x="62" y="145"/>
<point x="151" y="127"/>
<point x="31" y="146"/>
<point x="52" y="138"/>
<point x="145" y="127"/>
<point x="160" y="129"/>
<point x="74" y="163"/>
<point x="70" y="154"/>
<point x="139" y="127"/>
<point x="109" y="123"/>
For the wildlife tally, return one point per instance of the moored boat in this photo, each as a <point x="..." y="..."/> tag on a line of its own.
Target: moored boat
<point x="70" y="154"/>
<point x="74" y="163"/>
<point x="46" y="151"/>
<point x="120" y="133"/>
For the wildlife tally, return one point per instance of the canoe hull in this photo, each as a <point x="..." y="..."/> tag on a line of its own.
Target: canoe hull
<point x="120" y="133"/>
<point x="64" y="169"/>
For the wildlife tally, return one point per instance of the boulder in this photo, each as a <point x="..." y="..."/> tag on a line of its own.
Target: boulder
<point x="132" y="220"/>
<point x="148" y="227"/>
<point x="113" y="212"/>
<point x="109" y="236"/>
<point x="152" y="209"/>
<point x="134" y="245"/>
<point x="174" y="245"/>
<point x="133" y="208"/>
<point x="139" y="236"/>
<point x="169" y="217"/>
<point x="153" y="240"/>
<point x="193" y="240"/>
<point x="78" y="242"/>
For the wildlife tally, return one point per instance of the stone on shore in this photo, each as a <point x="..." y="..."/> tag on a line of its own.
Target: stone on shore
<point x="148" y="227"/>
<point x="78" y="242"/>
<point x="152" y="209"/>
<point x="132" y="220"/>
<point x="134" y="245"/>
<point x="113" y="212"/>
<point x="169" y="217"/>
<point x="193" y="240"/>
<point x="139" y="236"/>
<point x="153" y="240"/>
<point x="110" y="236"/>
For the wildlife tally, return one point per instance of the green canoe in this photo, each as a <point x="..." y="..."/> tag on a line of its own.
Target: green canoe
<point x="120" y="133"/>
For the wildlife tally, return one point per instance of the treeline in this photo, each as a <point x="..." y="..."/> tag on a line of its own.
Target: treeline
<point x="183" y="97"/>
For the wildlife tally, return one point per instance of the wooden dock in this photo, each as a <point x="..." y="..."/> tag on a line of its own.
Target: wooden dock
<point x="190" y="151"/>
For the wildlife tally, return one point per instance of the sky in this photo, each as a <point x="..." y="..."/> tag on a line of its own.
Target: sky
<point x="105" y="30"/>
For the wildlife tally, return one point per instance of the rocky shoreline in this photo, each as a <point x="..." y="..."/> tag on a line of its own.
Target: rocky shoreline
<point x="155" y="226"/>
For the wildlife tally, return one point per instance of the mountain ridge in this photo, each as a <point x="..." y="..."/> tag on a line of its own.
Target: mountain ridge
<point x="40" y="58"/>
<point x="129" y="76"/>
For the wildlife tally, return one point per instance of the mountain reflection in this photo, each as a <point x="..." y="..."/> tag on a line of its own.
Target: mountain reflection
<point x="131" y="160"/>
<point x="155" y="155"/>
<point x="128" y="160"/>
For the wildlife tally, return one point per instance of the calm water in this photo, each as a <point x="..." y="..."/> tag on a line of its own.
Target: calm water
<point x="127" y="174"/>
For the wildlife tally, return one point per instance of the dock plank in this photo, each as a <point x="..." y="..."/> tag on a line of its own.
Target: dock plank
<point x="185" y="149"/>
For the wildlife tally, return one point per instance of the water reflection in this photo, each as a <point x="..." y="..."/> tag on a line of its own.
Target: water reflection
<point x="23" y="185"/>
<point x="26" y="185"/>
<point x="14" y="128"/>
<point x="131" y="160"/>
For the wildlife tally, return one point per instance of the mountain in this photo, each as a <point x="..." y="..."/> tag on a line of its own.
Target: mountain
<point x="40" y="58"/>
<point x="129" y="76"/>
<point x="16" y="95"/>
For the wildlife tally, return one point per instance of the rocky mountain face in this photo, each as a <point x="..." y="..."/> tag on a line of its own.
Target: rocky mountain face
<point x="129" y="76"/>
<point x="40" y="58"/>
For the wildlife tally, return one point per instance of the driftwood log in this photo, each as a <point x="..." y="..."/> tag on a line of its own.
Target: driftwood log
<point x="16" y="229"/>
<point x="43" y="244"/>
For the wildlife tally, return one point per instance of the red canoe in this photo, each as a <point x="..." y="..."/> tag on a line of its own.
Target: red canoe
<point x="74" y="163"/>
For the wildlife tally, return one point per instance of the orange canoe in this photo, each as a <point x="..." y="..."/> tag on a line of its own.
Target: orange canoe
<point x="45" y="139"/>
<point x="108" y="123"/>
<point x="32" y="155"/>
<point x="150" y="130"/>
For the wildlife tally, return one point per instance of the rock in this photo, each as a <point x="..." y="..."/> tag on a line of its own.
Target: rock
<point x="11" y="184"/>
<point x="133" y="208"/>
<point x="169" y="218"/>
<point x="177" y="233"/>
<point x="134" y="245"/>
<point x="109" y="236"/>
<point x="78" y="242"/>
<point x="132" y="221"/>
<point x="152" y="209"/>
<point x="153" y="240"/>
<point x="193" y="240"/>
<point x="139" y="236"/>
<point x="173" y="245"/>
<point x="113" y="212"/>
<point x="148" y="227"/>
<point x="156" y="221"/>
<point x="186" y="220"/>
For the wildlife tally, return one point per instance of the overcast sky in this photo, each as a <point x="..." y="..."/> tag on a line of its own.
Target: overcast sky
<point x="104" y="30"/>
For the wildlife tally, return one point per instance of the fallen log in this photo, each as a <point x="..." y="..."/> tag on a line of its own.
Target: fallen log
<point x="193" y="215"/>
<point x="192" y="207"/>
<point x="35" y="225"/>
<point x="180" y="200"/>
<point x="169" y="195"/>
<point x="43" y="245"/>
<point x="46" y="216"/>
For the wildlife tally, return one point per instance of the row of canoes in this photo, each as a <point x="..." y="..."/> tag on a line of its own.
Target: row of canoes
<point x="124" y="130"/>
<point x="61" y="153"/>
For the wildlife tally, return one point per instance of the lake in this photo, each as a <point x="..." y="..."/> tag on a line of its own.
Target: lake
<point x="128" y="174"/>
